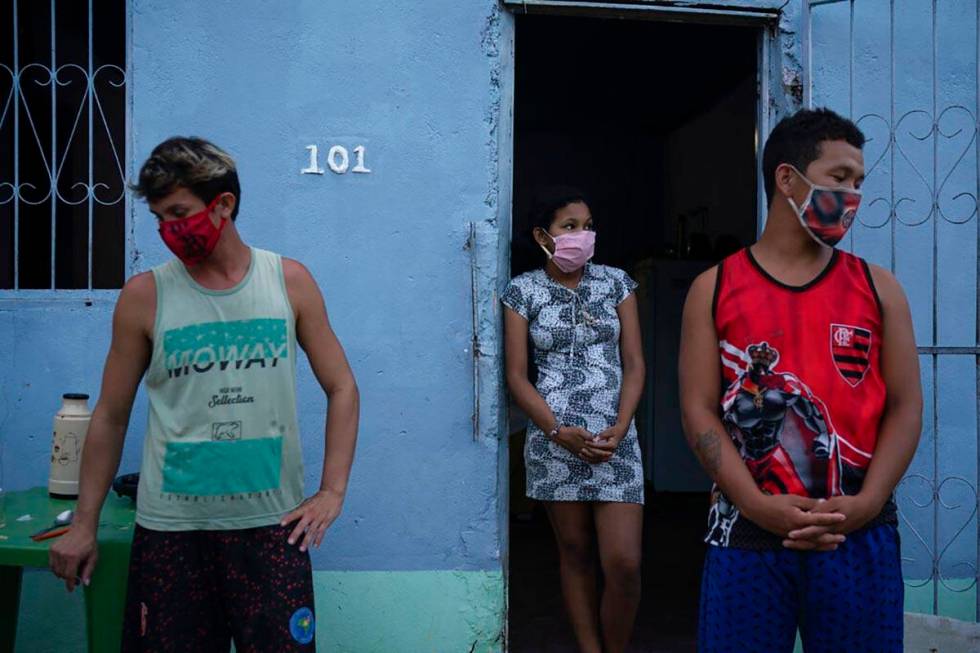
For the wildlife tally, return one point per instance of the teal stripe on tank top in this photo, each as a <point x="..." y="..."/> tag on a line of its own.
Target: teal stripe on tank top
<point x="222" y="467"/>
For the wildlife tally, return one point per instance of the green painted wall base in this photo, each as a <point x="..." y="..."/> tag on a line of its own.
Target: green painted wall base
<point x="960" y="604"/>
<point x="362" y="611"/>
<point x="418" y="611"/>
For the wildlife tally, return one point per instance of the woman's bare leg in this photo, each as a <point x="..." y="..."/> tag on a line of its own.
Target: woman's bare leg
<point x="619" y="530"/>
<point x="573" y="526"/>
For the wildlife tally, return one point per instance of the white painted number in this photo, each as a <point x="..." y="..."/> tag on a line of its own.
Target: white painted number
<point x="338" y="160"/>
<point x="359" y="152"/>
<point x="340" y="167"/>
<point x="314" y="168"/>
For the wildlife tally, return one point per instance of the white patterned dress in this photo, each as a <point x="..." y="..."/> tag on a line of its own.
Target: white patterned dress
<point x="575" y="337"/>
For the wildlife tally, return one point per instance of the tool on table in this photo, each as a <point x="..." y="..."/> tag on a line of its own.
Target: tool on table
<point x="60" y="526"/>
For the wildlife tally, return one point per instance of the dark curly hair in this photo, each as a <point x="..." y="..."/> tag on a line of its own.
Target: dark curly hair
<point x="796" y="140"/>
<point x="549" y="199"/>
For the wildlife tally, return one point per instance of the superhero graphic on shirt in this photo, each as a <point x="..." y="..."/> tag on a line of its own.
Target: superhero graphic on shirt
<point x="783" y="432"/>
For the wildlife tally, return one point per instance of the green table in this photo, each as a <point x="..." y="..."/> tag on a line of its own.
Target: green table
<point x="105" y="597"/>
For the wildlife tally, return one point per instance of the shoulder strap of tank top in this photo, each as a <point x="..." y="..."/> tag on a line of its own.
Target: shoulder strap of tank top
<point x="732" y="264"/>
<point x="862" y="269"/>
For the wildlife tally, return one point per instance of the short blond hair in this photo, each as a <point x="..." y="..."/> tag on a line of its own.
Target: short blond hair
<point x="193" y="163"/>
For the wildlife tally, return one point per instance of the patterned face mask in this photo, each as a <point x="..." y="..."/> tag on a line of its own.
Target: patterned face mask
<point x="827" y="213"/>
<point x="192" y="239"/>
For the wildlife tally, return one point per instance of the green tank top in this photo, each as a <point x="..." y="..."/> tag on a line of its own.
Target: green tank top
<point x="222" y="444"/>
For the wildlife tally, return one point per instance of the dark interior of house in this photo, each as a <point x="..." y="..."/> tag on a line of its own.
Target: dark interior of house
<point x="659" y="132"/>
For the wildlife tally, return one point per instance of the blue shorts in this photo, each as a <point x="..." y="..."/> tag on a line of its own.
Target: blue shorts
<point x="851" y="599"/>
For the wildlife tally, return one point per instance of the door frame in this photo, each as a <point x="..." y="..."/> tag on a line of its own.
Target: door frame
<point x="782" y="56"/>
<point x="780" y="88"/>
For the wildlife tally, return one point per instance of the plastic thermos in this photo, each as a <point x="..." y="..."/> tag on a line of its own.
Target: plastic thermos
<point x="70" y="426"/>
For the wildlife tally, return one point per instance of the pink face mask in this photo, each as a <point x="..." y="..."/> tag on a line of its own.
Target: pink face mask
<point x="572" y="251"/>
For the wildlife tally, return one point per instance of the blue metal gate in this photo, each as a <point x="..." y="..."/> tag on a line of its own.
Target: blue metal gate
<point x="907" y="72"/>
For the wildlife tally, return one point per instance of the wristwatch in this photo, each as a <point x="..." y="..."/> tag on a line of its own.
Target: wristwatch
<point x="553" y="433"/>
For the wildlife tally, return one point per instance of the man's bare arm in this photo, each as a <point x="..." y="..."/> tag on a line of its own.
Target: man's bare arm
<point x="330" y="366"/>
<point x="75" y="553"/>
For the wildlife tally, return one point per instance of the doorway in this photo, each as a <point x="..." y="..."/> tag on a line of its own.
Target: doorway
<point x="656" y="122"/>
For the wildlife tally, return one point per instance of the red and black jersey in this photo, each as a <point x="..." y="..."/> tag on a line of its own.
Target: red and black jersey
<point x="803" y="394"/>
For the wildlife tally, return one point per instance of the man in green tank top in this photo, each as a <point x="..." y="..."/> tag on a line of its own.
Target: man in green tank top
<point x="221" y="546"/>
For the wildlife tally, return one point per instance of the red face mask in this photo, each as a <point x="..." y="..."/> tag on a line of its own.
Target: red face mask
<point x="192" y="239"/>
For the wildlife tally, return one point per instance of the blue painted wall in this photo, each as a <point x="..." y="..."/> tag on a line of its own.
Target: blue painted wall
<point x="426" y="88"/>
<point x="419" y="85"/>
<point x="412" y="85"/>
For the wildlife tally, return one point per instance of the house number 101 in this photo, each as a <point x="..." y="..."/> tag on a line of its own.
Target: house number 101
<point x="338" y="160"/>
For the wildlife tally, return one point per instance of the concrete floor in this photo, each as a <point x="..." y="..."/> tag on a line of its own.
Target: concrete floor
<point x="929" y="634"/>
<point x="672" y="559"/>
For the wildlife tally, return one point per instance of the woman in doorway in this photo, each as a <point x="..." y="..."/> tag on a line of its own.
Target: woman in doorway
<point x="582" y="454"/>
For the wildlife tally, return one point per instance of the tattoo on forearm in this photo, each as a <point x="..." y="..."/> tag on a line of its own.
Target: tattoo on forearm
<point x="707" y="447"/>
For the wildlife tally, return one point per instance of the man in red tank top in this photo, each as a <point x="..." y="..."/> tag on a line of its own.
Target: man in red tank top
<point x="801" y="398"/>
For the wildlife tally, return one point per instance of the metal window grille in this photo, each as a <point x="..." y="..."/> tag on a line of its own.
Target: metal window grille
<point x="62" y="144"/>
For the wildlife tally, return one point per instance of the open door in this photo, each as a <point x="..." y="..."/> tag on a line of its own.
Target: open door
<point x="662" y="139"/>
